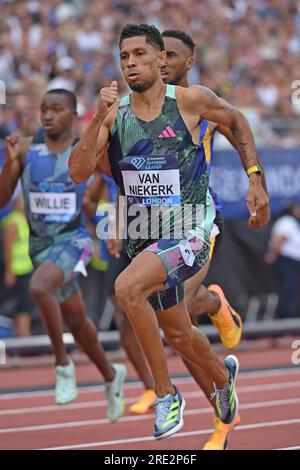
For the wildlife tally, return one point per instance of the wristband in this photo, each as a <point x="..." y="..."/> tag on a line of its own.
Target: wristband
<point x="255" y="169"/>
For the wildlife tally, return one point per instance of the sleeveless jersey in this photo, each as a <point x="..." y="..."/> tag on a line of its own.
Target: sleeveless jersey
<point x="157" y="165"/>
<point x="53" y="201"/>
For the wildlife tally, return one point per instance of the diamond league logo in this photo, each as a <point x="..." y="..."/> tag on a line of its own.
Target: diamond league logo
<point x="138" y="162"/>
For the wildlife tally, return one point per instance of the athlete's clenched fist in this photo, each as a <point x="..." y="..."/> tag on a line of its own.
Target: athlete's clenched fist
<point x="108" y="96"/>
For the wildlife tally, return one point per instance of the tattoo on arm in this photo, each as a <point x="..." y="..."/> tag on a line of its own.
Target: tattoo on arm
<point x="240" y="134"/>
<point x="214" y="101"/>
<point x="217" y="102"/>
<point x="238" y="125"/>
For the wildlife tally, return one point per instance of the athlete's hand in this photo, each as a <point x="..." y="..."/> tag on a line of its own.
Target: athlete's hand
<point x="261" y="218"/>
<point x="16" y="146"/>
<point x="114" y="247"/>
<point x="108" y="96"/>
<point x="259" y="205"/>
<point x="270" y="257"/>
<point x="12" y="147"/>
<point x="9" y="279"/>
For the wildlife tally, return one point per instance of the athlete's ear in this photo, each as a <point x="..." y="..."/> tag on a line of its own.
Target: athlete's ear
<point x="190" y="62"/>
<point x="162" y="59"/>
<point x="75" y="116"/>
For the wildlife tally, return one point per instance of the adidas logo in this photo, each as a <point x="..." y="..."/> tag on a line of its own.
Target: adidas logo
<point x="167" y="133"/>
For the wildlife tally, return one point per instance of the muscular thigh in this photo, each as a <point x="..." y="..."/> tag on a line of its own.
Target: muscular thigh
<point x="192" y="284"/>
<point x="146" y="270"/>
<point x="47" y="275"/>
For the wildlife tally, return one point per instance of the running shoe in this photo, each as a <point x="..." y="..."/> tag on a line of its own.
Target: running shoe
<point x="145" y="402"/>
<point x="226" y="398"/>
<point x="65" y="389"/>
<point x="220" y="437"/>
<point x="226" y="320"/>
<point x="168" y="415"/>
<point x="114" y="393"/>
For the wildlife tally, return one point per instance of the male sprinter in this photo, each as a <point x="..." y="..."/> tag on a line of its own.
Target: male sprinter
<point x="117" y="263"/>
<point x="179" y="60"/>
<point x="60" y="246"/>
<point x="170" y="173"/>
<point x="179" y="48"/>
<point x="179" y="51"/>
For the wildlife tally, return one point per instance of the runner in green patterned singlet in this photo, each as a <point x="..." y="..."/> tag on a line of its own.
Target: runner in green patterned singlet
<point x="159" y="167"/>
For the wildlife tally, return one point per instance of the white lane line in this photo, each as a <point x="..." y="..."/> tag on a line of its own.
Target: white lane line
<point x="182" y="434"/>
<point x="127" y="419"/>
<point x="103" y="403"/>
<point x="129" y="386"/>
<point x="289" y="448"/>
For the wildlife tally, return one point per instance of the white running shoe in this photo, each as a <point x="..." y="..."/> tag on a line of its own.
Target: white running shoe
<point x="65" y="390"/>
<point x="114" y="393"/>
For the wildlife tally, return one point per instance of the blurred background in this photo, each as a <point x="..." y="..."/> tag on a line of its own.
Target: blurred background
<point x="248" y="53"/>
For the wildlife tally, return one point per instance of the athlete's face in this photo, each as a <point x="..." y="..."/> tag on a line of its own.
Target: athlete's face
<point x="179" y="61"/>
<point x="57" y="115"/>
<point x="141" y="63"/>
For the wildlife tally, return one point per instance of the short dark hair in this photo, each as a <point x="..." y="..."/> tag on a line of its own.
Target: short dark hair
<point x="71" y="97"/>
<point x="153" y="35"/>
<point x="181" y="35"/>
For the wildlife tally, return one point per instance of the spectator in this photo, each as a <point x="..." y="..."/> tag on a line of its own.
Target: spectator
<point x="64" y="79"/>
<point x="74" y="45"/>
<point x="247" y="52"/>
<point x="284" y="254"/>
<point x="18" y="266"/>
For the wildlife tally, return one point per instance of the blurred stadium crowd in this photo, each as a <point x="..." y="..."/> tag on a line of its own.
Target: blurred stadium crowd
<point x="247" y="52"/>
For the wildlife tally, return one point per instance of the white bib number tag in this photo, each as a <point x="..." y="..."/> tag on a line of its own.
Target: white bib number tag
<point x="151" y="181"/>
<point x="52" y="203"/>
<point x="187" y="252"/>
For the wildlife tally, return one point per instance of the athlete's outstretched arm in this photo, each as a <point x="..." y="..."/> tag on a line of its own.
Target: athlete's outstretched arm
<point x="15" y="149"/>
<point x="226" y="132"/>
<point x="94" y="140"/>
<point x="209" y="106"/>
<point x="104" y="164"/>
<point x="263" y="214"/>
<point x="206" y="105"/>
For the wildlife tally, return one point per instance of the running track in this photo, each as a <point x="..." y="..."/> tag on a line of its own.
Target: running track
<point x="269" y="409"/>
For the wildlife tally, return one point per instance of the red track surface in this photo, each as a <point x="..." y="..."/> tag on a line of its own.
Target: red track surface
<point x="269" y="409"/>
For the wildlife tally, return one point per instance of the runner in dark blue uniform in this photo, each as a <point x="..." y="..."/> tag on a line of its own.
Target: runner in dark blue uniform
<point x="60" y="245"/>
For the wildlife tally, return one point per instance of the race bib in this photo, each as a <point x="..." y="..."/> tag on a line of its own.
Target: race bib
<point x="152" y="180"/>
<point x="187" y="252"/>
<point x="52" y="203"/>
